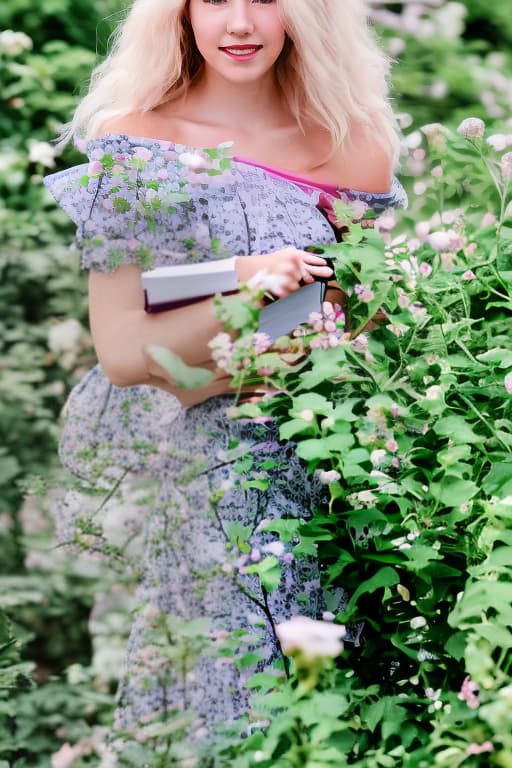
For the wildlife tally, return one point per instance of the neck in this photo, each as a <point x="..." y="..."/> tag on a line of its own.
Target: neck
<point x="238" y="106"/>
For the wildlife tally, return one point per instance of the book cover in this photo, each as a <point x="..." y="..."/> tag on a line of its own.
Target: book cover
<point x="179" y="285"/>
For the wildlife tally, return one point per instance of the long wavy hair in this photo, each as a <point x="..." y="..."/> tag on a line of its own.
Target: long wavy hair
<point x="331" y="71"/>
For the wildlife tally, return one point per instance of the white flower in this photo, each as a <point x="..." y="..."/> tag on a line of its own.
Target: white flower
<point x="447" y="240"/>
<point x="13" y="43"/>
<point x="65" y="336"/>
<point x="472" y="128"/>
<point x="67" y="756"/>
<point x="499" y="141"/>
<point x="326" y="477"/>
<point x="506" y="166"/>
<point x="266" y="281"/>
<point x="508" y="383"/>
<point x="306" y="415"/>
<point x="418" y="622"/>
<point x="192" y="160"/>
<point x="378" y="457"/>
<point x="41" y="152"/>
<point x="434" y="392"/>
<point x="313" y="639"/>
<point x="274" y="548"/>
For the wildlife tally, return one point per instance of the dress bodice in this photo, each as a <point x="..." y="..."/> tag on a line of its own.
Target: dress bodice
<point x="150" y="202"/>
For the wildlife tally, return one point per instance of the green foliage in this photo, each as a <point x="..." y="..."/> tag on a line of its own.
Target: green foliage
<point x="424" y="546"/>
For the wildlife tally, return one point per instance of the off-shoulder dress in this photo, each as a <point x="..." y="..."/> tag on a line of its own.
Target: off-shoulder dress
<point x="193" y="568"/>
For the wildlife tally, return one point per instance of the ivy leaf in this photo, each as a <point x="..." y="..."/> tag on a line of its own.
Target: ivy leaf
<point x="185" y="376"/>
<point x="453" y="491"/>
<point x="457" y="429"/>
<point x="269" y="572"/>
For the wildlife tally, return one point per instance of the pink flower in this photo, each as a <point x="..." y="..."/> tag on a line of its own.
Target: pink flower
<point x="425" y="269"/>
<point x="489" y="220"/>
<point x="365" y="293"/>
<point x="478" y="749"/>
<point x="261" y="342"/>
<point x="67" y="755"/>
<point x="162" y="174"/>
<point x="422" y="229"/>
<point x="508" y="383"/>
<point x="142" y="153"/>
<point x="392" y="445"/>
<point x="95" y="168"/>
<point x="359" y="207"/>
<point x="447" y="241"/>
<point x="469" y="693"/>
<point x="386" y="221"/>
<point x="472" y="128"/>
<point x="469" y="275"/>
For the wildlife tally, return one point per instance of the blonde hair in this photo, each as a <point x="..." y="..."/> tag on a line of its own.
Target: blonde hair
<point x="331" y="71"/>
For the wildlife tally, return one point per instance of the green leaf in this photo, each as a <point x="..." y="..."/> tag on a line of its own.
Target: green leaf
<point x="453" y="491"/>
<point x="386" y="577"/>
<point x="457" y="429"/>
<point x="269" y="572"/>
<point x="502" y="358"/>
<point x="185" y="376"/>
<point x="324" y="448"/>
<point x="498" y="481"/>
<point x="121" y="205"/>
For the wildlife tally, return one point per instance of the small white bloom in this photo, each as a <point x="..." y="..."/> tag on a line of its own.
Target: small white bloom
<point x="313" y="639"/>
<point x="266" y="281"/>
<point x="192" y="160"/>
<point x="326" y="477"/>
<point x="65" y="336"/>
<point x="378" y="457"/>
<point x="434" y="392"/>
<point x="13" y="43"/>
<point x="499" y="141"/>
<point x="274" y="548"/>
<point x="41" y="152"/>
<point x="306" y="415"/>
<point x="472" y="128"/>
<point x="506" y="166"/>
<point x="418" y="622"/>
<point x="508" y="383"/>
<point x="444" y="240"/>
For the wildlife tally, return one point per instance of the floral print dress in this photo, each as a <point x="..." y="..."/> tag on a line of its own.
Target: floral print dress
<point x="150" y="203"/>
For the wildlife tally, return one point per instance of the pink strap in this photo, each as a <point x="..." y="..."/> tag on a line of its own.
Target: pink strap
<point x="306" y="184"/>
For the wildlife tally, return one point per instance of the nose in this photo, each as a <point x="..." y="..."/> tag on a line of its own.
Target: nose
<point x="240" y="19"/>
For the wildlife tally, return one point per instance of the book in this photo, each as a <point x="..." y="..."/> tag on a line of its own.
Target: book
<point x="179" y="285"/>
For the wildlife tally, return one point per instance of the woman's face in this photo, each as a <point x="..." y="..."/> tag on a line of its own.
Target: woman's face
<point x="240" y="40"/>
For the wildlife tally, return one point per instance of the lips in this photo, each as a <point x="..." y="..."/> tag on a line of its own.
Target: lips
<point x="241" y="50"/>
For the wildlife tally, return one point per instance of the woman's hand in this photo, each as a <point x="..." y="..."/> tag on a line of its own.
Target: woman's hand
<point x="293" y="266"/>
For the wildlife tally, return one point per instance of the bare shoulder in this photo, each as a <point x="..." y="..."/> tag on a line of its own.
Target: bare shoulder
<point x="365" y="163"/>
<point x="142" y="124"/>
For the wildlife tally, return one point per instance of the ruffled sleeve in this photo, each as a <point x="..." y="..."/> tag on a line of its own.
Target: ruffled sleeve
<point x="127" y="204"/>
<point x="396" y="197"/>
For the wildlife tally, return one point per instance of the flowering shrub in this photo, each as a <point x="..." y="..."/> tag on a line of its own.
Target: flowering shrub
<point x="408" y="427"/>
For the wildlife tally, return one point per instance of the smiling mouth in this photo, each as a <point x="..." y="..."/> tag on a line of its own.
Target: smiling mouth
<point x="241" y="50"/>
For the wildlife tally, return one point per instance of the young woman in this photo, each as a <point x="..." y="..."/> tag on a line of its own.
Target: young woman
<point x="299" y="89"/>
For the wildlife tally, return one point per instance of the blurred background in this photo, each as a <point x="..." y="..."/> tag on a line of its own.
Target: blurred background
<point x="453" y="60"/>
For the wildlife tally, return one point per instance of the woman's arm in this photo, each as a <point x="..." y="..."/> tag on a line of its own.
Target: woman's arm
<point x="122" y="330"/>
